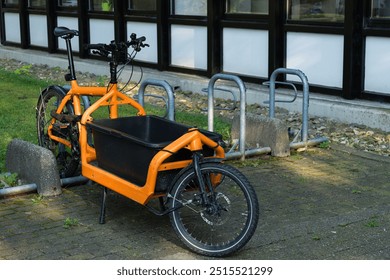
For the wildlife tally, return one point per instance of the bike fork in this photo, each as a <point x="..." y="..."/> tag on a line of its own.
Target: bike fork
<point x="201" y="179"/>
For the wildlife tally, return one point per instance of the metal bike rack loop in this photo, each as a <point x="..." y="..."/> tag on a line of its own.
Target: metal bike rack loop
<point x="305" y="105"/>
<point x="168" y="89"/>
<point x="242" y="136"/>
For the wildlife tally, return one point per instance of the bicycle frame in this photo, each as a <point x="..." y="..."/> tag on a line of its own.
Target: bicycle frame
<point x="193" y="140"/>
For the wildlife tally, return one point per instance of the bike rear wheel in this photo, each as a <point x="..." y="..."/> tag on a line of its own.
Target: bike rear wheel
<point x="227" y="222"/>
<point x="68" y="158"/>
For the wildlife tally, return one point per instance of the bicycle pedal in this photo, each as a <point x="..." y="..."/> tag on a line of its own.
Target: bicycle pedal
<point x="65" y="118"/>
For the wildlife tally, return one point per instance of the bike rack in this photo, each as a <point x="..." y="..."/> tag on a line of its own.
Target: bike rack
<point x="210" y="109"/>
<point x="168" y="89"/>
<point x="305" y="106"/>
<point x="205" y="90"/>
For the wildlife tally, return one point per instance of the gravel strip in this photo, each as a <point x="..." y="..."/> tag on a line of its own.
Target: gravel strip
<point x="357" y="136"/>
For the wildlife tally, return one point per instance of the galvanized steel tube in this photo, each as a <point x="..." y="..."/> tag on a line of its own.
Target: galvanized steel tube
<point x="210" y="106"/>
<point x="305" y="106"/>
<point x="165" y="85"/>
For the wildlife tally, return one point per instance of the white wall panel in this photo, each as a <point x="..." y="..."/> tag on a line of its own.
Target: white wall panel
<point x="38" y="30"/>
<point x="319" y="56"/>
<point x="101" y="31"/>
<point x="189" y="46"/>
<point x="377" y="65"/>
<point x="149" y="30"/>
<point x="71" y="23"/>
<point x="12" y="27"/>
<point x="245" y="51"/>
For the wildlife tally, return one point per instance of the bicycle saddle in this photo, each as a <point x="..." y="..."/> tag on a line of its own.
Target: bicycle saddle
<point x="65" y="32"/>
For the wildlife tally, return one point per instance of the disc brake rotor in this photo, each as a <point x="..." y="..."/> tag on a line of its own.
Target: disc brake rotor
<point x="217" y="213"/>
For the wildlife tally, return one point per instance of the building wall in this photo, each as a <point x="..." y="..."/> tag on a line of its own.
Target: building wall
<point x="341" y="46"/>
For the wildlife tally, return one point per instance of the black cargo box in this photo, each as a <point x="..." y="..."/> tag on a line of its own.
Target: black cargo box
<point x="125" y="146"/>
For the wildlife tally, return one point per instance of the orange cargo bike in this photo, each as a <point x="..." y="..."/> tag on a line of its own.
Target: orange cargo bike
<point x="212" y="206"/>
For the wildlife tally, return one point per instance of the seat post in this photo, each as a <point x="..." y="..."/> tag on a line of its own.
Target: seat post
<point x="72" y="73"/>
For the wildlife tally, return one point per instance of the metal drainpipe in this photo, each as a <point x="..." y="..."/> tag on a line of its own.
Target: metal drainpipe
<point x="33" y="187"/>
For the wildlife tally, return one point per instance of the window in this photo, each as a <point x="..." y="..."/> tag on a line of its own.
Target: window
<point x="380" y="8"/>
<point x="142" y="5"/>
<point x="67" y="3"/>
<point x="101" y="5"/>
<point x="11" y="3"/>
<point x="314" y="10"/>
<point x="189" y="7"/>
<point x="247" y="7"/>
<point x="37" y="3"/>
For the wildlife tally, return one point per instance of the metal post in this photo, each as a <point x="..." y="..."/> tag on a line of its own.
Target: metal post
<point x="168" y="89"/>
<point x="305" y="106"/>
<point x="210" y="106"/>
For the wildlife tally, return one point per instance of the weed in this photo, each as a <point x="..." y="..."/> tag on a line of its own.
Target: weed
<point x="37" y="199"/>
<point x="24" y="70"/>
<point x="8" y="179"/>
<point x="372" y="223"/>
<point x="253" y="162"/>
<point x="324" y="145"/>
<point x="71" y="222"/>
<point x="316" y="237"/>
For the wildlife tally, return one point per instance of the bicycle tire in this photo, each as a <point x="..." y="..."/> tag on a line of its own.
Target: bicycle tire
<point x="68" y="160"/>
<point x="221" y="228"/>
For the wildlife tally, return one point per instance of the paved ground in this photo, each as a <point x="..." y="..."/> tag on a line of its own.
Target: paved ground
<point x="321" y="204"/>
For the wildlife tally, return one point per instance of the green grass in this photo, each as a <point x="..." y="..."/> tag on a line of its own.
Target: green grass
<point x="19" y="95"/>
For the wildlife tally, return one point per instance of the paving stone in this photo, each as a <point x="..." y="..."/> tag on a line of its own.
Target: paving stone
<point x="314" y="205"/>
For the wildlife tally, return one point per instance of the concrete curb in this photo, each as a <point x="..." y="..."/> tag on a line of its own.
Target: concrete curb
<point x="34" y="164"/>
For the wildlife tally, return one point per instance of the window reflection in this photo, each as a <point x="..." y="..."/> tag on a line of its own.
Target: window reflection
<point x="189" y="7"/>
<point x="142" y="5"/>
<point x="67" y="3"/>
<point x="247" y="7"/>
<point x="380" y="8"/>
<point x="314" y="10"/>
<point x="101" y="5"/>
<point x="11" y="3"/>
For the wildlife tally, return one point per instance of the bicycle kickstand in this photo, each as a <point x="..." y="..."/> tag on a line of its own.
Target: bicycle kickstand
<point x="102" y="218"/>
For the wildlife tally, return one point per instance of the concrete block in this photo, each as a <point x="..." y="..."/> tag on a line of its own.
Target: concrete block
<point x="34" y="164"/>
<point x="264" y="132"/>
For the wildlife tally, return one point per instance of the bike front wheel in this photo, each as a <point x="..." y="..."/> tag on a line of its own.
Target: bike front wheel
<point x="225" y="221"/>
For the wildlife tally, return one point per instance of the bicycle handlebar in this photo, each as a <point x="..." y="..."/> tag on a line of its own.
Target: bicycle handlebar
<point x="118" y="50"/>
<point x="136" y="43"/>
